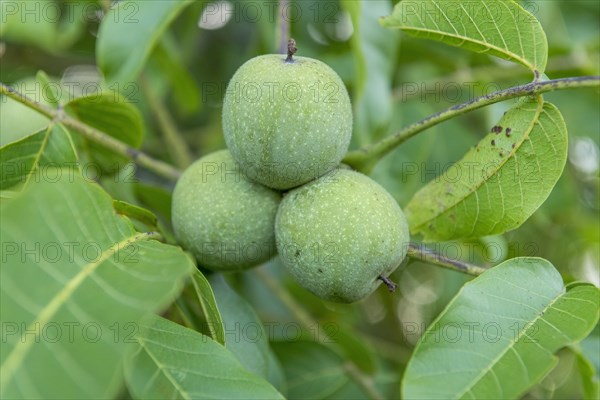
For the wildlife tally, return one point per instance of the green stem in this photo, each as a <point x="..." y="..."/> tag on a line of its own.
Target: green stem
<point x="308" y="323"/>
<point x="365" y="158"/>
<point x="471" y="75"/>
<point x="283" y="27"/>
<point x="159" y="167"/>
<point x="422" y="253"/>
<point x="175" y="144"/>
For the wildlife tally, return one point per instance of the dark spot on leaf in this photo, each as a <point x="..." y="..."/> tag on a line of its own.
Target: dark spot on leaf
<point x="493" y="142"/>
<point x="508" y="132"/>
<point x="501" y="154"/>
<point x="320" y="270"/>
<point x="297" y="253"/>
<point x="513" y="145"/>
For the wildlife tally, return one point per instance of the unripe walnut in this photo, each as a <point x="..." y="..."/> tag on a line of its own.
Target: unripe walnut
<point x="220" y="216"/>
<point x="286" y="122"/>
<point x="338" y="234"/>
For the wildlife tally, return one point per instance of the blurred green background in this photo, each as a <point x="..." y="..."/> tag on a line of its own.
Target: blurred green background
<point x="393" y="80"/>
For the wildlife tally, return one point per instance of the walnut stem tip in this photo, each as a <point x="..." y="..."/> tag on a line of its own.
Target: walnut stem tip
<point x="391" y="285"/>
<point x="291" y="51"/>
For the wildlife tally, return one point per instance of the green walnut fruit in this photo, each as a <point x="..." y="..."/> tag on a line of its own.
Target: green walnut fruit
<point x="338" y="234"/>
<point x="286" y="122"/>
<point x="220" y="216"/>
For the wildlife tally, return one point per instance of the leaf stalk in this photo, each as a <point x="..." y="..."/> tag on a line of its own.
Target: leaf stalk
<point x="422" y="253"/>
<point x="366" y="158"/>
<point x="159" y="167"/>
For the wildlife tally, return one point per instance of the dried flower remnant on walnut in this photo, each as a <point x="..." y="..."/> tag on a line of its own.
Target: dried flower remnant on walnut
<point x="291" y="51"/>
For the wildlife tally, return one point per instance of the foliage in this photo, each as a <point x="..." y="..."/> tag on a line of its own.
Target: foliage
<point x="98" y="300"/>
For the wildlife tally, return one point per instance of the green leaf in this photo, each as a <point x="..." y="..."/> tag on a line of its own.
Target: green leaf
<point x="590" y="384"/>
<point x="497" y="337"/>
<point x="50" y="91"/>
<point x="38" y="25"/>
<point x="111" y="113"/>
<point x="245" y="335"/>
<point x="498" y="27"/>
<point x="34" y="157"/>
<point x="352" y="347"/>
<point x="591" y="347"/>
<point x="186" y="92"/>
<point x="313" y="371"/>
<point x="16" y="119"/>
<point x="114" y="115"/>
<point x="176" y="362"/>
<point x="572" y="378"/>
<point x="374" y="51"/>
<point x="496" y="186"/>
<point x="76" y="278"/>
<point x="138" y="213"/>
<point x="208" y="304"/>
<point x="155" y="198"/>
<point x="128" y="33"/>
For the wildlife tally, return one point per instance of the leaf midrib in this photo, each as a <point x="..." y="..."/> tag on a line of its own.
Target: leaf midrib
<point x="38" y="156"/>
<point x="164" y="371"/>
<point x="511" y="344"/>
<point x="511" y="56"/>
<point x="18" y="353"/>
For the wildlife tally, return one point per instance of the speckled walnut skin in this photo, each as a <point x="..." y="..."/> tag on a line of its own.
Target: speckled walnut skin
<point x="337" y="234"/>
<point x="286" y="123"/>
<point x="221" y="217"/>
